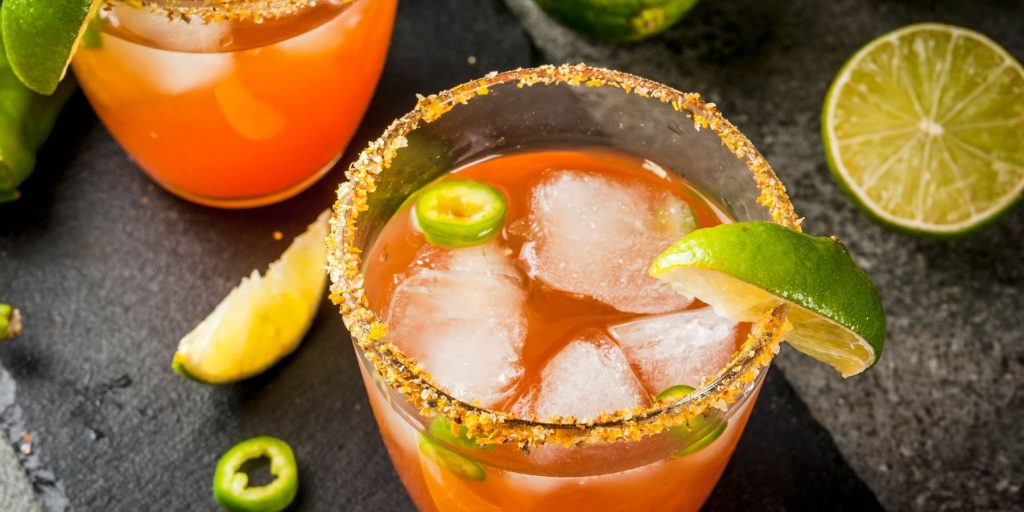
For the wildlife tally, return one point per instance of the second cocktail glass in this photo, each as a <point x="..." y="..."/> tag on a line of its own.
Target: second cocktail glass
<point x="661" y="457"/>
<point x="234" y="103"/>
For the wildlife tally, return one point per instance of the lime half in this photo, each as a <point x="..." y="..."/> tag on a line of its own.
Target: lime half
<point x="263" y="319"/>
<point x="746" y="268"/>
<point x="923" y="128"/>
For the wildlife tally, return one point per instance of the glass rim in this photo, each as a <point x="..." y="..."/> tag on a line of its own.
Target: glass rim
<point x="403" y="375"/>
<point x="210" y="11"/>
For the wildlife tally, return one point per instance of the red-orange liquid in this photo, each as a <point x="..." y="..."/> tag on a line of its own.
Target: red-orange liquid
<point x="251" y="120"/>
<point x="553" y="316"/>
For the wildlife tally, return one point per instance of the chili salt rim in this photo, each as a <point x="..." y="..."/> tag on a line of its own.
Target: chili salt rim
<point x="210" y="11"/>
<point x="491" y="427"/>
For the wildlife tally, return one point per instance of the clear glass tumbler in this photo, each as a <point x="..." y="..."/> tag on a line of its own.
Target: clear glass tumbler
<point x="234" y="103"/>
<point x="660" y="459"/>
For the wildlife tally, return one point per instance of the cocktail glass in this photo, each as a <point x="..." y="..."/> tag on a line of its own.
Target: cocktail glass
<point x="453" y="455"/>
<point x="234" y="103"/>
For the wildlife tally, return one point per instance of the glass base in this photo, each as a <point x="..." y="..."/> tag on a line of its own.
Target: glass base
<point x="250" y="202"/>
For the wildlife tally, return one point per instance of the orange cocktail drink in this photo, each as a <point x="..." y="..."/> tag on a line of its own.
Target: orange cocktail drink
<point x="234" y="103"/>
<point x="489" y="255"/>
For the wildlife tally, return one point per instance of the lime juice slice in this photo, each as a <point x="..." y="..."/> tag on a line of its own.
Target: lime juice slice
<point x="263" y="319"/>
<point x="746" y="268"/>
<point x="923" y="128"/>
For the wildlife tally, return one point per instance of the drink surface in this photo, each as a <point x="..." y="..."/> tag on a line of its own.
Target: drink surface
<point x="557" y="316"/>
<point x="236" y="112"/>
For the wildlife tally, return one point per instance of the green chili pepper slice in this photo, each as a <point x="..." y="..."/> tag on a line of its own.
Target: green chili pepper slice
<point x="441" y="429"/>
<point x="700" y="431"/>
<point x="460" y="213"/>
<point x="458" y="464"/>
<point x="10" y="322"/>
<point x="231" y="485"/>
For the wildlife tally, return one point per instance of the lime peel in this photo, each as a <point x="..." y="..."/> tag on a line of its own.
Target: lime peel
<point x="261" y="320"/>
<point x="41" y="37"/>
<point x="746" y="268"/>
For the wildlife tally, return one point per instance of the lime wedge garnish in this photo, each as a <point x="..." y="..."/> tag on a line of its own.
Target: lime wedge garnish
<point x="263" y="319"/>
<point x="923" y="128"/>
<point x="41" y="37"/>
<point x="746" y="268"/>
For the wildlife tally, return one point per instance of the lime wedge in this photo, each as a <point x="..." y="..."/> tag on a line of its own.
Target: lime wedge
<point x="41" y="37"/>
<point x="746" y="268"/>
<point x="923" y="128"/>
<point x="263" y="319"/>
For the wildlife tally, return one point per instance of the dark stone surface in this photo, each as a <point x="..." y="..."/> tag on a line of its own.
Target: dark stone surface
<point x="111" y="271"/>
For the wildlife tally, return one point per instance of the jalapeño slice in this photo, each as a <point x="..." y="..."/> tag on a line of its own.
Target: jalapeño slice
<point x="460" y="213"/>
<point x="458" y="464"/>
<point x="700" y="431"/>
<point x="231" y="486"/>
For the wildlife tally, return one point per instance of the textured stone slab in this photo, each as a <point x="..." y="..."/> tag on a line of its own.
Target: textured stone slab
<point x="937" y="423"/>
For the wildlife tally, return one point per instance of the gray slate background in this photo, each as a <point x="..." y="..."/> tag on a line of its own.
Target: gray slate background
<point x="938" y="423"/>
<point x="111" y="271"/>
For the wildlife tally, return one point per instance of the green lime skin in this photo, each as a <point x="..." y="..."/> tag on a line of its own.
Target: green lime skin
<point x="816" y="273"/>
<point x="41" y="36"/>
<point x="230" y="486"/>
<point x="617" y="20"/>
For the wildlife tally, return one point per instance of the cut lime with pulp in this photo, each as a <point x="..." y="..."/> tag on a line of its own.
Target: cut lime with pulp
<point x="41" y="37"/>
<point x="923" y="128"/>
<point x="263" y="319"/>
<point x="747" y="268"/>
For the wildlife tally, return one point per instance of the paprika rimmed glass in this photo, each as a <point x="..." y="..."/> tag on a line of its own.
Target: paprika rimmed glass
<point x="624" y="459"/>
<point x="234" y="103"/>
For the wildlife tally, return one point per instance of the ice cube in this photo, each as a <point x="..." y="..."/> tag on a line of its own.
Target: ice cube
<point x="169" y="72"/>
<point x="460" y="314"/>
<point x="588" y="376"/>
<point x="329" y="36"/>
<point x="596" y="236"/>
<point x="677" y="348"/>
<point x="173" y="33"/>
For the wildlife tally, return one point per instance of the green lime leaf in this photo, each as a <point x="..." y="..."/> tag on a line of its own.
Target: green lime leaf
<point x="41" y="36"/>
